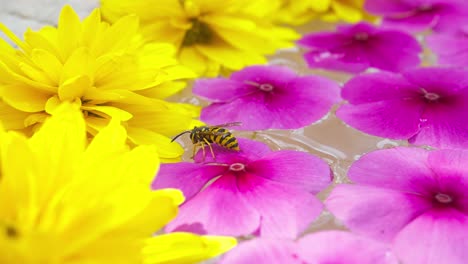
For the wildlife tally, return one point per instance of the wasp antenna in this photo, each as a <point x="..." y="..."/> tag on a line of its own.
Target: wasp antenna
<point x="185" y="132"/>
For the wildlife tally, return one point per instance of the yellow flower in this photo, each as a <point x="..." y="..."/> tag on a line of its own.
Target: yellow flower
<point x="106" y="68"/>
<point x="210" y="35"/>
<point x="65" y="201"/>
<point x="300" y="12"/>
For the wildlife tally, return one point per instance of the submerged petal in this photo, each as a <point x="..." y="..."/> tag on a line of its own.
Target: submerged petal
<point x="263" y="251"/>
<point x="434" y="237"/>
<point x="190" y="178"/>
<point x="343" y="247"/>
<point x="374" y="211"/>
<point x="285" y="210"/>
<point x="294" y="168"/>
<point x="219" y="209"/>
<point x="401" y="169"/>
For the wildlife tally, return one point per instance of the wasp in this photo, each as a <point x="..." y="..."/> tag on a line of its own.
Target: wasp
<point x="207" y="135"/>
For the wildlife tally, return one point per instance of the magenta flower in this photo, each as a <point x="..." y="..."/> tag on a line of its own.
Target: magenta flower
<point x="418" y="15"/>
<point x="337" y="247"/>
<point x="413" y="198"/>
<point x="253" y="191"/>
<point x="452" y="49"/>
<point x="427" y="106"/>
<point x="264" y="97"/>
<point x="354" y="48"/>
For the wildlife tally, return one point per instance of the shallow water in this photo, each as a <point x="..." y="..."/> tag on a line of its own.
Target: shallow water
<point x="329" y="138"/>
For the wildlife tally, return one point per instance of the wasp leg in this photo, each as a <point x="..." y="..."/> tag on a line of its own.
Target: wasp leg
<point x="194" y="150"/>
<point x="202" y="145"/>
<point x="211" y="149"/>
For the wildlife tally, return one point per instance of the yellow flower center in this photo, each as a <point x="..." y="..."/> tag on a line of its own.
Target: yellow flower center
<point x="200" y="33"/>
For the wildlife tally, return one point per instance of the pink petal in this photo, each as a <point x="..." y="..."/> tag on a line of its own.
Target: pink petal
<point x="340" y="247"/>
<point x="384" y="7"/>
<point x="188" y="177"/>
<point x="445" y="125"/>
<point x="433" y="238"/>
<point x="249" y="150"/>
<point x="351" y="58"/>
<point x="391" y="86"/>
<point x="295" y="168"/>
<point x="324" y="40"/>
<point x="418" y="21"/>
<point x="393" y="51"/>
<point x="285" y="211"/>
<point x="296" y="104"/>
<point x="401" y="169"/>
<point x="395" y="119"/>
<point x="444" y="81"/>
<point x="457" y="55"/>
<point x="220" y="89"/>
<point x="376" y="212"/>
<point x="220" y="209"/>
<point x="258" y="115"/>
<point x="450" y="166"/>
<point x="262" y="251"/>
<point x="272" y="74"/>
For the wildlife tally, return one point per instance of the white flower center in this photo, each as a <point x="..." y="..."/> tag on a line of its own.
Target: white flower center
<point x="361" y="36"/>
<point x="425" y="7"/>
<point x="443" y="198"/>
<point x="266" y="87"/>
<point x="237" y="167"/>
<point x="431" y="96"/>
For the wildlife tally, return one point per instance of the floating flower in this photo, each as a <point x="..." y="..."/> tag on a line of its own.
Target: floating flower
<point x="300" y="12"/>
<point x="65" y="201"/>
<point x="414" y="198"/>
<point x="263" y="97"/>
<point x="252" y="191"/>
<point x="452" y="49"/>
<point x="427" y="106"/>
<point x="105" y="68"/>
<point x="354" y="48"/>
<point x="410" y="15"/>
<point x="337" y="247"/>
<point x="209" y="35"/>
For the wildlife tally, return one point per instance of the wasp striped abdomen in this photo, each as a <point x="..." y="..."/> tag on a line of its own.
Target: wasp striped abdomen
<point x="224" y="138"/>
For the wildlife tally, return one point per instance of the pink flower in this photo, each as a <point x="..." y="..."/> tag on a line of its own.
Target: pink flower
<point x="427" y="106"/>
<point x="337" y="247"/>
<point x="253" y="191"/>
<point x="410" y="197"/>
<point x="264" y="97"/>
<point x="452" y="49"/>
<point x="418" y="15"/>
<point x="354" y="48"/>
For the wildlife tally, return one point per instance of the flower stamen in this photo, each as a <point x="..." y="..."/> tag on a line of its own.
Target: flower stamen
<point x="200" y="33"/>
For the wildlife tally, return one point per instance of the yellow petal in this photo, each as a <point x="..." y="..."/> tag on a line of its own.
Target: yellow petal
<point x="12" y="118"/>
<point x="222" y="54"/>
<point x="51" y="66"/>
<point x="74" y="88"/>
<point x="184" y="248"/>
<point x="69" y="31"/>
<point x="24" y="98"/>
<point x="168" y="151"/>
<point x="109" y="111"/>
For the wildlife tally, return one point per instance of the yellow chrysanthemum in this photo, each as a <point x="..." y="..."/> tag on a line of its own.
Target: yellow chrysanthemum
<point x="300" y="12"/>
<point x="106" y="68"/>
<point x="210" y="35"/>
<point x="64" y="201"/>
